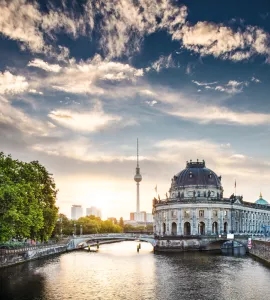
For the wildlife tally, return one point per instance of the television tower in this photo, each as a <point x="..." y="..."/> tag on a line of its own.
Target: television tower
<point x="138" y="179"/>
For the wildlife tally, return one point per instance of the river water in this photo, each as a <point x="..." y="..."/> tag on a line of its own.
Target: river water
<point x="117" y="271"/>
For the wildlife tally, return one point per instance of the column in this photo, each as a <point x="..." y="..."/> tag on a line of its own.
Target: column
<point x="194" y="230"/>
<point x="179" y="222"/>
<point x="220" y="221"/>
<point x="208" y="220"/>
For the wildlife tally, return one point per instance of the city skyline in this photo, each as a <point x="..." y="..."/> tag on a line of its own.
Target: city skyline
<point x="189" y="79"/>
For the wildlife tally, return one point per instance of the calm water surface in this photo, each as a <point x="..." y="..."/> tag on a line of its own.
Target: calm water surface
<point x="117" y="271"/>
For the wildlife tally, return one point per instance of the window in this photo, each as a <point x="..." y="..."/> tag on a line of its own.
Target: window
<point x="201" y="213"/>
<point x="186" y="213"/>
<point x="215" y="213"/>
<point x="173" y="213"/>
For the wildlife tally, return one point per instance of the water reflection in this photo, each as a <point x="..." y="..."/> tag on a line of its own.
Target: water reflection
<point x="117" y="271"/>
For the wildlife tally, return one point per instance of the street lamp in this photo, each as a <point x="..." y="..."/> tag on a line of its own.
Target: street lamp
<point x="74" y="229"/>
<point x="81" y="229"/>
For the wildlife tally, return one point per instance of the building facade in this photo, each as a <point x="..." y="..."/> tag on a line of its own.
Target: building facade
<point x="76" y="212"/>
<point x="93" y="211"/>
<point x="196" y="206"/>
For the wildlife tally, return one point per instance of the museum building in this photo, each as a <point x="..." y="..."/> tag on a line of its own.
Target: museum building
<point x="196" y="206"/>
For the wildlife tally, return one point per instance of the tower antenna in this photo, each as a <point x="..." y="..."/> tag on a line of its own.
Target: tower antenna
<point x="137" y="152"/>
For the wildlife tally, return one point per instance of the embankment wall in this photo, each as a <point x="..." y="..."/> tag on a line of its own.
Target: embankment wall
<point x="261" y="249"/>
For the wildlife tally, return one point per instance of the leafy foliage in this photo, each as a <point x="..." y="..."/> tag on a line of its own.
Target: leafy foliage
<point x="27" y="200"/>
<point x="90" y="225"/>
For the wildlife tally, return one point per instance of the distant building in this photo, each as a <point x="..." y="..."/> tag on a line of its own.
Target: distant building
<point x="76" y="212"/>
<point x="132" y="216"/>
<point x="93" y="211"/>
<point x="149" y="218"/>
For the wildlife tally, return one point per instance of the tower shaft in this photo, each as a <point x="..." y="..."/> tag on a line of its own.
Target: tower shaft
<point x="138" y="179"/>
<point x="138" y="198"/>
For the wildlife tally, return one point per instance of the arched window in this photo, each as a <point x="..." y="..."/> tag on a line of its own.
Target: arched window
<point x="174" y="228"/>
<point x="225" y="228"/>
<point x="215" y="228"/>
<point x="187" y="228"/>
<point x="164" y="228"/>
<point x="201" y="228"/>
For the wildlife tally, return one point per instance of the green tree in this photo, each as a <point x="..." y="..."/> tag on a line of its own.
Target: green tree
<point x="27" y="200"/>
<point x="121" y="222"/>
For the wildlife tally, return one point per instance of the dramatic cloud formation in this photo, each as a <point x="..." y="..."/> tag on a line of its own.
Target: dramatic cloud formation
<point x="84" y="77"/>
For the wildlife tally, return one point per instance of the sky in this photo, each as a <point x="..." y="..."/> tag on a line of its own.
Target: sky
<point x="80" y="81"/>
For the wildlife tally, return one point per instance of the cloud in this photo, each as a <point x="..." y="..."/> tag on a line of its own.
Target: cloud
<point x="127" y="22"/>
<point x="164" y="62"/>
<point x="33" y="91"/>
<point x="223" y="42"/>
<point x="221" y="115"/>
<point x="39" y="63"/>
<point x="12" y="84"/>
<point x="84" y="121"/>
<point x="231" y="87"/>
<point x="221" y="160"/>
<point x="33" y="29"/>
<point x="255" y="80"/>
<point x="81" y="149"/>
<point x="15" y="117"/>
<point x="151" y="103"/>
<point x="203" y="83"/>
<point x="89" y="76"/>
<point x="180" y="105"/>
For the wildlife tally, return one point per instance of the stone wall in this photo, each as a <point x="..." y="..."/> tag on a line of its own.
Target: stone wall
<point x="12" y="257"/>
<point x="191" y="243"/>
<point x="261" y="249"/>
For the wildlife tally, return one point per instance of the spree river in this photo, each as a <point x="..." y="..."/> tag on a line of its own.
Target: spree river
<point x="117" y="271"/>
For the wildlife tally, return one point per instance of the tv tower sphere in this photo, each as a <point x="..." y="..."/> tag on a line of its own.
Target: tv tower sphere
<point x="138" y="176"/>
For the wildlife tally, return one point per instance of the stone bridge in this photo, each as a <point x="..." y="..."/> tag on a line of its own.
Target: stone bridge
<point x="83" y="240"/>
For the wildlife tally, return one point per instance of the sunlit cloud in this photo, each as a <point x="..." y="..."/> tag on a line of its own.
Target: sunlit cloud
<point x="12" y="84"/>
<point x="39" y="63"/>
<point x="84" y="121"/>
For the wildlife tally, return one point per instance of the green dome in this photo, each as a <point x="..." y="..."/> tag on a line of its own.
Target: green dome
<point x="261" y="201"/>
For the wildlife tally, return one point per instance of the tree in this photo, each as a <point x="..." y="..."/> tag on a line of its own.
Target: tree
<point x="27" y="200"/>
<point x="121" y="222"/>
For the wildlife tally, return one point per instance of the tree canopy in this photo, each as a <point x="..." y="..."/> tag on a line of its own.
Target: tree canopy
<point x="90" y="225"/>
<point x="27" y="200"/>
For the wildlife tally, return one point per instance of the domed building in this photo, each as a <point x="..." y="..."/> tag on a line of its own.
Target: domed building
<point x="196" y="206"/>
<point x="261" y="201"/>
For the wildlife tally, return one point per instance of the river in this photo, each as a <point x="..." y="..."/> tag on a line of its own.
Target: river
<point x="117" y="271"/>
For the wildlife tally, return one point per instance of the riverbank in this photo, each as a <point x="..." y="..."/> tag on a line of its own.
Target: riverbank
<point x="261" y="250"/>
<point x="17" y="256"/>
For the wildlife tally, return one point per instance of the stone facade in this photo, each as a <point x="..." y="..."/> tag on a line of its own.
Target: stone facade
<point x="195" y="206"/>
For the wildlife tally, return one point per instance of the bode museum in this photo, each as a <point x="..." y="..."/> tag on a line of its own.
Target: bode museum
<point x="196" y="206"/>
